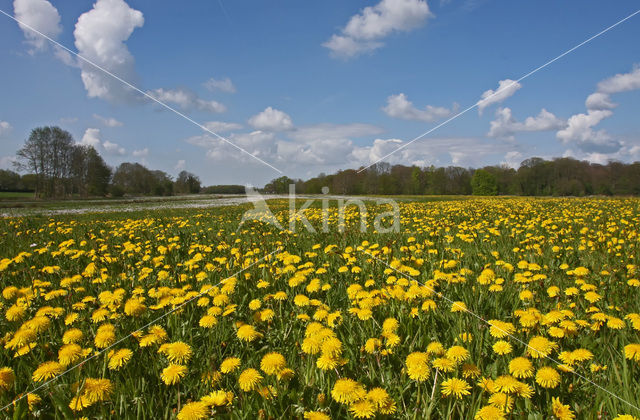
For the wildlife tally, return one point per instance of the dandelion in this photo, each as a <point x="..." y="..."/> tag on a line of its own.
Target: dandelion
<point x="458" y="353"/>
<point x="247" y="333"/>
<point x="229" y="364"/>
<point x="417" y="364"/>
<point x="173" y="374"/>
<point x="502" y="347"/>
<point x="69" y="353"/>
<point x="46" y="371"/>
<point x="347" y="391"/>
<point x="193" y="411"/>
<point x="315" y="415"/>
<point x="273" y="363"/>
<point x="177" y="352"/>
<point x="561" y="411"/>
<point x="119" y="358"/>
<point x="540" y="347"/>
<point x="521" y="367"/>
<point x="97" y="389"/>
<point x="7" y="377"/>
<point x="632" y="352"/>
<point x="547" y="377"/>
<point x="456" y="387"/>
<point x="249" y="379"/>
<point x="489" y="412"/>
<point x="363" y="409"/>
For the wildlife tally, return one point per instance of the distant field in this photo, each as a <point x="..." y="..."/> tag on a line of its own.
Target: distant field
<point x="7" y="195"/>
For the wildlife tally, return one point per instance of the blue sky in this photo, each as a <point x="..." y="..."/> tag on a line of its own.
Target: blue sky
<point x="313" y="87"/>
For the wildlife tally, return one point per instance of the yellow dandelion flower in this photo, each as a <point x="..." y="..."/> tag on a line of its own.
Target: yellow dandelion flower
<point x="456" y="387"/>
<point x="561" y="411"/>
<point x="119" y="358"/>
<point x="347" y="391"/>
<point x="46" y="371"/>
<point x="417" y="364"/>
<point x="273" y="363"/>
<point x="547" y="377"/>
<point x="249" y="379"/>
<point x="194" y="411"/>
<point x="173" y="374"/>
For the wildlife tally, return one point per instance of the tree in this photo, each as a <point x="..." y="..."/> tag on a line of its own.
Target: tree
<point x="47" y="153"/>
<point x="484" y="182"/>
<point x="187" y="183"/>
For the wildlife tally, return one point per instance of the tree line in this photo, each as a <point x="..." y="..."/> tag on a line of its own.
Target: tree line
<point x="58" y="167"/>
<point x="534" y="177"/>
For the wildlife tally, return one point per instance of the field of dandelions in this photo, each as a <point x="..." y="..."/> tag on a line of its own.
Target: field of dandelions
<point x="476" y="309"/>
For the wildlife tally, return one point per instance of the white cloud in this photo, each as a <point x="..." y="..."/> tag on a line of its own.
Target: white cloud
<point x="186" y="99"/>
<point x="113" y="148"/>
<point x="91" y="137"/>
<point x="513" y="159"/>
<point x="506" y="88"/>
<point x="505" y="125"/>
<point x="5" y="128"/>
<point x="398" y="106"/>
<point x="100" y="36"/>
<point x="621" y="82"/>
<point x="222" y="126"/>
<point x="327" y="131"/>
<point x="271" y="119"/>
<point x="579" y="131"/>
<point x="7" y="162"/>
<point x="180" y="165"/>
<point x="109" y="122"/>
<point x="224" y="85"/>
<point x="365" y="30"/>
<point x="599" y="101"/>
<point x="141" y="153"/>
<point x="40" y="15"/>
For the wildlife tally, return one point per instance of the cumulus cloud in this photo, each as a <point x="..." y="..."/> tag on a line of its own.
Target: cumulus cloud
<point x="113" y="148"/>
<point x="580" y="132"/>
<point x="506" y="88"/>
<point x="40" y="15"/>
<point x="5" y="128"/>
<point x="186" y="99"/>
<point x="271" y="119"/>
<point x="513" y="158"/>
<point x="180" y="165"/>
<point x="327" y="131"/>
<point x="100" y="36"/>
<point x="109" y="122"/>
<point x="223" y="85"/>
<point x="505" y="125"/>
<point x="621" y="82"/>
<point x="398" y="106"/>
<point x="141" y="153"/>
<point x="91" y="137"/>
<point x="599" y="101"/>
<point x="222" y="126"/>
<point x="365" y="31"/>
<point x="8" y="162"/>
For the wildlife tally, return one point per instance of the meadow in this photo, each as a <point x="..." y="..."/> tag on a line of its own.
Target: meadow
<point x="477" y="308"/>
